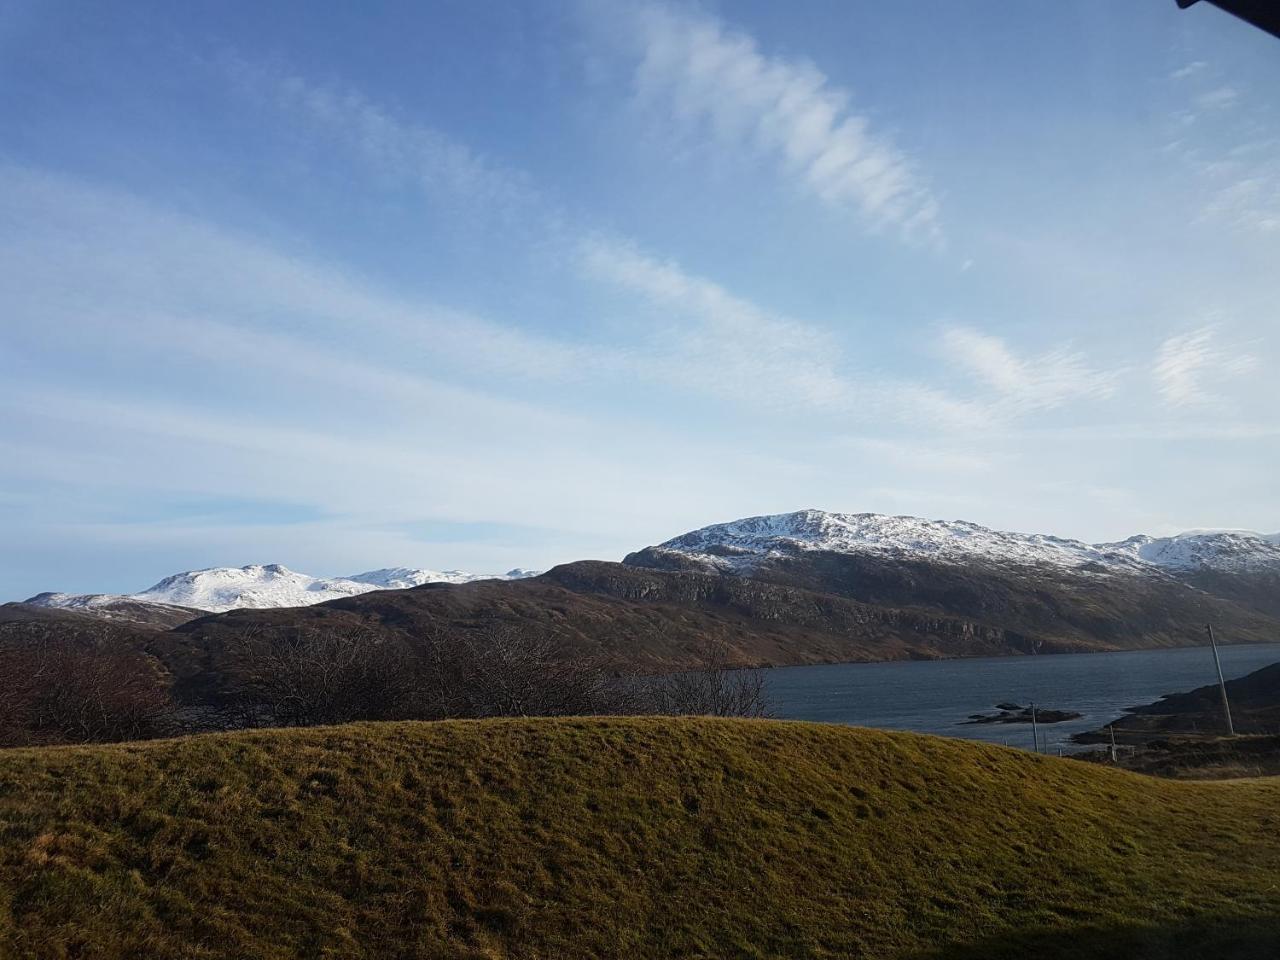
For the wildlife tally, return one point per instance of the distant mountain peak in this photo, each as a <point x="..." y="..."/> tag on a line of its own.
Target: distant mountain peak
<point x="1238" y="550"/>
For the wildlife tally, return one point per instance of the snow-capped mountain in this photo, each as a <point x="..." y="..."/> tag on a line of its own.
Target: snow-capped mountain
<point x="741" y="545"/>
<point x="1149" y="590"/>
<point x="218" y="589"/>
<point x="1225" y="550"/>
<point x="256" y="585"/>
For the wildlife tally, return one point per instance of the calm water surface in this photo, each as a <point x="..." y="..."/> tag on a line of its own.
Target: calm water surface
<point x="936" y="696"/>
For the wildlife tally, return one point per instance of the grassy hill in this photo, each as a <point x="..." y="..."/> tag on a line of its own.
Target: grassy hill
<point x="622" y="838"/>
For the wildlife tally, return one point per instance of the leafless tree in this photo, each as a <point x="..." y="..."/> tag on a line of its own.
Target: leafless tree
<point x="60" y="687"/>
<point x="713" y="689"/>
<point x="304" y="676"/>
<point x="57" y="686"/>
<point x="499" y="670"/>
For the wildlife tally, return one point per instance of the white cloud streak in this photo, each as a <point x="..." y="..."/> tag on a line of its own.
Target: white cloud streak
<point x="1234" y="157"/>
<point x="1219" y="98"/>
<point x="718" y="344"/>
<point x="430" y="159"/>
<point x="1025" y="384"/>
<point x="708" y="339"/>
<point x="1189" y="365"/>
<point x="711" y="77"/>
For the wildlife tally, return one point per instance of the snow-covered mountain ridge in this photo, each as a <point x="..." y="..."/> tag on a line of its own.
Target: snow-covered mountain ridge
<point x="739" y="545"/>
<point x="744" y="546"/>
<point x="218" y="589"/>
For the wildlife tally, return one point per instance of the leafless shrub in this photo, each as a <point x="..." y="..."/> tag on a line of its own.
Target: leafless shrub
<point x="711" y="690"/>
<point x="501" y="671"/>
<point x="60" y="688"/>
<point x="303" y="676"/>
<point x="63" y="688"/>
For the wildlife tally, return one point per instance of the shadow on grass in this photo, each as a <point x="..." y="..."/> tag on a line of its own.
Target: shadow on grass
<point x="1217" y="938"/>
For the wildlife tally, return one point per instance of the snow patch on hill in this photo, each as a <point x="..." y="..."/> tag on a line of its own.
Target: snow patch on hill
<point x="75" y="601"/>
<point x="401" y="578"/>
<point x="112" y="606"/>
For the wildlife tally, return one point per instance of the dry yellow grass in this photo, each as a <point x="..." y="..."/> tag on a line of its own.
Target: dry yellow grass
<point x="649" y="837"/>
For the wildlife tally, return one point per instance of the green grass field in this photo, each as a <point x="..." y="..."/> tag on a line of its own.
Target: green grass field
<point x="630" y="838"/>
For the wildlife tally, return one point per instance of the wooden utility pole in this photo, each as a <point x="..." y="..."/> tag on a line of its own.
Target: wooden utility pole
<point x="1222" y="684"/>
<point x="1035" y="734"/>
<point x="1112" y="727"/>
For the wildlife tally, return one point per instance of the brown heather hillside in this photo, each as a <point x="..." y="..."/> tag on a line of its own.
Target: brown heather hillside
<point x="638" y="838"/>
<point x="815" y="608"/>
<point x="650" y="619"/>
<point x="626" y="618"/>
<point x="122" y="612"/>
<point x="1054" y="607"/>
<point x="632" y="619"/>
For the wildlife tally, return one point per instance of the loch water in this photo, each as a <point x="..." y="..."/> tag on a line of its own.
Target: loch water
<point x="937" y="696"/>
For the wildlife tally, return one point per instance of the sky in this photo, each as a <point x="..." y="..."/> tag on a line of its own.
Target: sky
<point x="482" y="284"/>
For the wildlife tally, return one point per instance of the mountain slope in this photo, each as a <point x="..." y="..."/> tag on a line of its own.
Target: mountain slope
<point x="794" y="588"/>
<point x="112" y="608"/>
<point x="644" y="838"/>
<point x="743" y="544"/>
<point x="1108" y="595"/>
<point x="634" y="617"/>
<point x="626" y="617"/>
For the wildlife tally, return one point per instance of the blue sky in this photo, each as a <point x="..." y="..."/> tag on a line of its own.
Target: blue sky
<point x="485" y="285"/>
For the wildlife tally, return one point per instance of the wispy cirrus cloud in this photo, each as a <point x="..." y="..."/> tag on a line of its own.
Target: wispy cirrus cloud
<point x="1195" y="66"/>
<point x="129" y="268"/>
<point x="720" y="345"/>
<point x="426" y="157"/>
<point x="1234" y="155"/>
<point x="708" y="339"/>
<point x="1023" y="384"/>
<point x="730" y="346"/>
<point x="1250" y="201"/>
<point x="1219" y="98"/>
<point x="709" y="76"/>
<point x="145" y="285"/>
<point x="1189" y="366"/>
